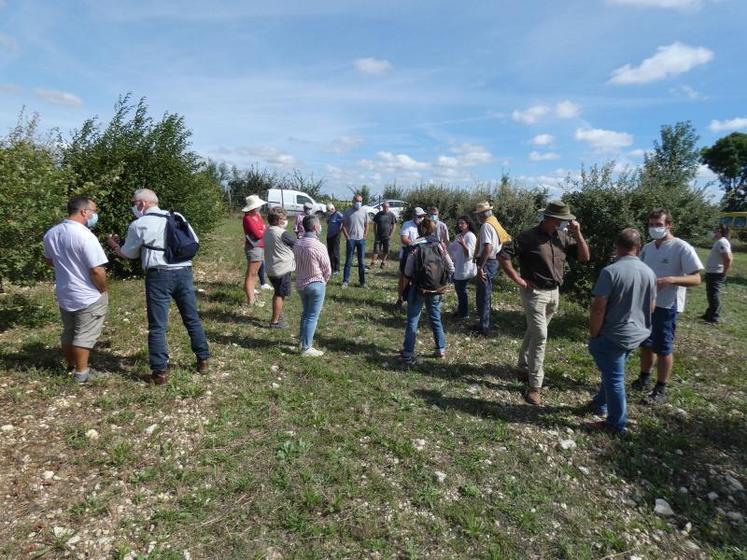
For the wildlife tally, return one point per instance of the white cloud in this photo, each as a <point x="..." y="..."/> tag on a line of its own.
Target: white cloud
<point x="537" y="156"/>
<point x="372" y="66"/>
<point x="269" y="154"/>
<point x="687" y="91"/>
<point x="8" y="43"/>
<point x="393" y="163"/>
<point x="604" y="140"/>
<point x="344" y="144"/>
<point x="737" y="123"/>
<point x="705" y="174"/>
<point x="567" y="110"/>
<point x="668" y="61"/>
<point x="542" y="140"/>
<point x="9" y="88"/>
<point x="667" y="4"/>
<point x="447" y="161"/>
<point x="468" y="155"/>
<point x="530" y="115"/>
<point x="59" y="97"/>
<point x="638" y="153"/>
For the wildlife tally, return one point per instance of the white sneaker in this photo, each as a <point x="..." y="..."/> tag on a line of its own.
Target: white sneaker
<point x="266" y="286"/>
<point x="312" y="352"/>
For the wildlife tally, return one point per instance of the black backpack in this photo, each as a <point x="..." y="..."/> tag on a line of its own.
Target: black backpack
<point x="430" y="272"/>
<point x="180" y="244"/>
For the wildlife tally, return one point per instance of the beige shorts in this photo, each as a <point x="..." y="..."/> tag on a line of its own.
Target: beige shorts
<point x="82" y="328"/>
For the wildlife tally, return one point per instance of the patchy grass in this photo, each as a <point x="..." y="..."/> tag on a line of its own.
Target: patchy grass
<point x="352" y="456"/>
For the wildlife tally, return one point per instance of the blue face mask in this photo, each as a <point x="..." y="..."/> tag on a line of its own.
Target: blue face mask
<point x="433" y="217"/>
<point x="357" y="205"/>
<point x="91" y="222"/>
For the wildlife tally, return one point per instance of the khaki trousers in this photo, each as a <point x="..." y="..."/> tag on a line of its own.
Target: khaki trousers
<point x="539" y="308"/>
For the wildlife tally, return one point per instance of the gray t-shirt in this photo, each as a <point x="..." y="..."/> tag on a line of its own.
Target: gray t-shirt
<point x="674" y="257"/>
<point x="715" y="262"/>
<point x="355" y="221"/>
<point x="630" y="288"/>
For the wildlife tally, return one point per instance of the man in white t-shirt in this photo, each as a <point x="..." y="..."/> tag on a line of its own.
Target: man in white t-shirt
<point x="408" y="234"/>
<point x="677" y="267"/>
<point x="717" y="266"/>
<point x="80" y="283"/>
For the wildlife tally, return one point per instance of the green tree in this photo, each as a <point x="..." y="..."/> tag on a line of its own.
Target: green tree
<point x="134" y="151"/>
<point x="674" y="161"/>
<point x="33" y="194"/>
<point x="245" y="182"/>
<point x="727" y="158"/>
<point x="393" y="192"/>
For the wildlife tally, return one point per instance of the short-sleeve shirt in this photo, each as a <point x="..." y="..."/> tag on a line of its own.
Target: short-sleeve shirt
<point x="464" y="265"/>
<point x="674" y="257"/>
<point x="408" y="230"/>
<point x="489" y="235"/>
<point x="629" y="286"/>
<point x="384" y="224"/>
<point x="74" y="251"/>
<point x="541" y="256"/>
<point x="715" y="263"/>
<point x="355" y="221"/>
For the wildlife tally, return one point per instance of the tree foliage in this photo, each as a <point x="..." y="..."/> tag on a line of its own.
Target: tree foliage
<point x="33" y="193"/>
<point x="727" y="158"/>
<point x="134" y="151"/>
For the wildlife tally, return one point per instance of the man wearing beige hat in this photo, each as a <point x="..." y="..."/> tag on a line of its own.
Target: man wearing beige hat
<point x="491" y="239"/>
<point x="542" y="252"/>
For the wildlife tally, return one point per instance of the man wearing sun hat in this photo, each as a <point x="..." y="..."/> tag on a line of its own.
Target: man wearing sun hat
<point x="491" y="239"/>
<point x="542" y="252"/>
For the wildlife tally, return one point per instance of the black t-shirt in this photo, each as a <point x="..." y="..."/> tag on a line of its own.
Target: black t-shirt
<point x="384" y="224"/>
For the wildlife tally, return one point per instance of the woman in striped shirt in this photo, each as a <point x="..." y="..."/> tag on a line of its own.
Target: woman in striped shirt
<point x="312" y="273"/>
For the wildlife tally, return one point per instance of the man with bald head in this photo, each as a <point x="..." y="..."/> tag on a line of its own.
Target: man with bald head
<point x="164" y="281"/>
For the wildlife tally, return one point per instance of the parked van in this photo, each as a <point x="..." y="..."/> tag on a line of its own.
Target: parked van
<point x="737" y="223"/>
<point x="292" y="201"/>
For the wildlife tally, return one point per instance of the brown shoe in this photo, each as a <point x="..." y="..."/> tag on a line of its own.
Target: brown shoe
<point x="532" y="396"/>
<point x="159" y="377"/>
<point x="202" y="367"/>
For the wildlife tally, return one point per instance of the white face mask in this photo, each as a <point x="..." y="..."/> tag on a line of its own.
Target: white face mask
<point x="657" y="232"/>
<point x="135" y="212"/>
<point x="562" y="226"/>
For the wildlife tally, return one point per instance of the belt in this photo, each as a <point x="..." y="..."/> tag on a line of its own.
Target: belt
<point x="165" y="268"/>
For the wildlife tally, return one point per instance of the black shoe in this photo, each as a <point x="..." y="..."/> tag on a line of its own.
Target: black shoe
<point x="657" y="396"/>
<point x="642" y="383"/>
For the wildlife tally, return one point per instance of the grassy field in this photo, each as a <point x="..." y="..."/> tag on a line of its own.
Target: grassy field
<point x="352" y="456"/>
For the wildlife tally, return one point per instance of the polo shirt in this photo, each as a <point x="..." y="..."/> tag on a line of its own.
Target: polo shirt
<point x="74" y="251"/>
<point x="541" y="257"/>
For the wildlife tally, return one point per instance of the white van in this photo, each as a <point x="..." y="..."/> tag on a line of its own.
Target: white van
<point x="292" y="201"/>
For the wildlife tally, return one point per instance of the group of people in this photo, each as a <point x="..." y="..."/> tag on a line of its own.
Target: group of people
<point x="636" y="299"/>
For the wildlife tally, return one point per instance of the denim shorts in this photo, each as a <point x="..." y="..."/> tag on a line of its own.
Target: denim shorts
<point x="254" y="254"/>
<point x="663" y="328"/>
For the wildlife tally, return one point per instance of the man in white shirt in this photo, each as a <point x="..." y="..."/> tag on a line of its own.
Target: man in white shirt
<point x="408" y="234"/>
<point x="80" y="283"/>
<point x="717" y="266"/>
<point x="677" y="267"/>
<point x="164" y="281"/>
<point x="488" y="247"/>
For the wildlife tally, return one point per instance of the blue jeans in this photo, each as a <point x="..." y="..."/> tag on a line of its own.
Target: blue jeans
<point x="484" y="293"/>
<point x="359" y="245"/>
<point x="161" y="286"/>
<point x="460" y="287"/>
<point x="415" y="304"/>
<point x="312" y="298"/>
<point x="610" y="360"/>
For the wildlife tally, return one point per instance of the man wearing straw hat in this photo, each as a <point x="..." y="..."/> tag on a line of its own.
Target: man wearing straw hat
<point x="542" y="252"/>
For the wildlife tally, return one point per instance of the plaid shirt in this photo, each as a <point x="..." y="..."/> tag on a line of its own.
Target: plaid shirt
<point x="312" y="261"/>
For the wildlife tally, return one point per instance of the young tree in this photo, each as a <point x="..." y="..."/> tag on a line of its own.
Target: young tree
<point x="674" y="161"/>
<point x="727" y="158"/>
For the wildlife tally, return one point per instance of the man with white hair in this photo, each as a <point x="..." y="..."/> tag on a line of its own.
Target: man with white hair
<point x="334" y="227"/>
<point x="164" y="281"/>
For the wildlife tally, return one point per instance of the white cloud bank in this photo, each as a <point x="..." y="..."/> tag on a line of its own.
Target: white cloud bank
<point x="668" y="61"/>
<point x="537" y="156"/>
<point x="59" y="97"/>
<point x="372" y="66"/>
<point x="542" y="140"/>
<point x="604" y="140"/>
<point x="666" y="4"/>
<point x="738" y="123"/>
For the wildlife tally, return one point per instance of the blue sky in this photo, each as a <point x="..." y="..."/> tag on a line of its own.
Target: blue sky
<point x="375" y="91"/>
